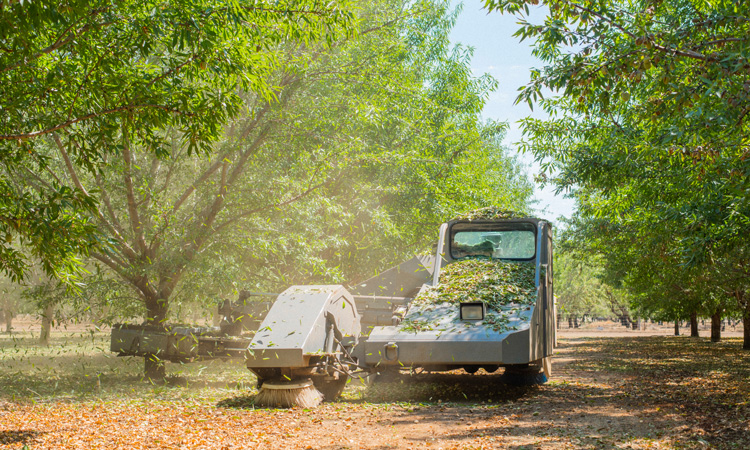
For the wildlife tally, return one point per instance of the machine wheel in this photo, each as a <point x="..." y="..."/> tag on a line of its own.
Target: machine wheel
<point x="524" y="375"/>
<point x="330" y="387"/>
<point x="523" y="379"/>
<point x="471" y="369"/>
<point x="490" y="369"/>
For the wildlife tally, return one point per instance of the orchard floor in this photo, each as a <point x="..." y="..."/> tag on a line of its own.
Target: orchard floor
<point x="633" y="391"/>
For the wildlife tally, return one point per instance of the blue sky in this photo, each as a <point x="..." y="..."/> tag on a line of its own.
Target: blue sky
<point x="501" y="55"/>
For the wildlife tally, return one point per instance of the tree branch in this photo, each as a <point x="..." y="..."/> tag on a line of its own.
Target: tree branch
<point x="69" y="165"/>
<point x="201" y="179"/>
<point x="622" y="29"/>
<point x="67" y="123"/>
<point x="135" y="220"/>
<point x="61" y="41"/>
<point x="296" y="198"/>
<point x="114" y="264"/>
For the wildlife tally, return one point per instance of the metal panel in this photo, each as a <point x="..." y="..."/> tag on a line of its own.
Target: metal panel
<point x="169" y="343"/>
<point x="377" y="310"/>
<point x="295" y="327"/>
<point x="132" y="340"/>
<point x="400" y="281"/>
<point x="378" y="297"/>
<point x="476" y="345"/>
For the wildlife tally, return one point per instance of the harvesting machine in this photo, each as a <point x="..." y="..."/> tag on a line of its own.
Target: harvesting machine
<point x="399" y="318"/>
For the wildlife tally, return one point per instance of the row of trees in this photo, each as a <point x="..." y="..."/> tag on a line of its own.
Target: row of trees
<point x="648" y="103"/>
<point x="581" y="290"/>
<point x="172" y="154"/>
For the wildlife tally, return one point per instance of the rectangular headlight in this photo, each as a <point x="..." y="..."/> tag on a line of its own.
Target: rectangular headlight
<point x="472" y="310"/>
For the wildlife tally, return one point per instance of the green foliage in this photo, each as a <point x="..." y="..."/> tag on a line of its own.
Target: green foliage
<point x="674" y="147"/>
<point x="507" y="289"/>
<point x="43" y="222"/>
<point x="647" y="128"/>
<point x="579" y="288"/>
<point x="489" y="213"/>
<point x="368" y="148"/>
<point x="497" y="283"/>
<point x="95" y="76"/>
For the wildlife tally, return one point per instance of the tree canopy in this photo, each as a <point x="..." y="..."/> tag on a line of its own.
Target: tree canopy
<point x="648" y="103"/>
<point x="367" y="143"/>
<point x="86" y="73"/>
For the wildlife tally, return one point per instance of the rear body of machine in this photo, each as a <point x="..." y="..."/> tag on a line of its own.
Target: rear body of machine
<point x="453" y="342"/>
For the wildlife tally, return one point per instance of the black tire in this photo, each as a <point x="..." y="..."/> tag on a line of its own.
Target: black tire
<point x="523" y="376"/>
<point x="471" y="369"/>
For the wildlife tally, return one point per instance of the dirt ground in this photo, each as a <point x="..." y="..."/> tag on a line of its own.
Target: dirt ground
<point x="638" y="391"/>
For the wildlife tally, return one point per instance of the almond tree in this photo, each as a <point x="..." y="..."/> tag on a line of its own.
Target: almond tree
<point x="83" y="73"/>
<point x="649" y="103"/>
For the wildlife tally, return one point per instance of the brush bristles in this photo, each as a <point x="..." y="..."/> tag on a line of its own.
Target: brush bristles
<point x="304" y="397"/>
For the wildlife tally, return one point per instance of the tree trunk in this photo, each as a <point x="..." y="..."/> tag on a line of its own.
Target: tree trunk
<point x="746" y="326"/>
<point x="676" y="327"/>
<point x="47" y="315"/>
<point x="716" y="326"/>
<point x="575" y="322"/>
<point x="154" y="367"/>
<point x="156" y="312"/>
<point x="8" y="321"/>
<point x="694" y="324"/>
<point x="570" y="321"/>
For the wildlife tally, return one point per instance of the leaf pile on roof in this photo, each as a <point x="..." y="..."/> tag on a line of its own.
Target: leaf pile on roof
<point x="497" y="283"/>
<point x="490" y="213"/>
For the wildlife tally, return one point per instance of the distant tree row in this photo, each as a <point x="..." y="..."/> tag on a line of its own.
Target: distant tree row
<point x="581" y="291"/>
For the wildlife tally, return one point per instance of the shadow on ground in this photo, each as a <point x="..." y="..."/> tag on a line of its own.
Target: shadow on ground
<point x="422" y="388"/>
<point x="10" y="437"/>
<point x="445" y="387"/>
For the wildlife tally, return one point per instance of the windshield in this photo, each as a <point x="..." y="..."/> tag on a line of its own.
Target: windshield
<point x="516" y="241"/>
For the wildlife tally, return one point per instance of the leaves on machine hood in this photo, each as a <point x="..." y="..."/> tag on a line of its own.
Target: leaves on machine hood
<point x="497" y="283"/>
<point x="507" y="288"/>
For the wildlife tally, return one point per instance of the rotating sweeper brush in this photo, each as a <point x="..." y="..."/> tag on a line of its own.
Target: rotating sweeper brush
<point x="301" y="353"/>
<point x="287" y="394"/>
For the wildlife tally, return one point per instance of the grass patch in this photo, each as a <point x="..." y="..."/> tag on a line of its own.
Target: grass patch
<point x="80" y="367"/>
